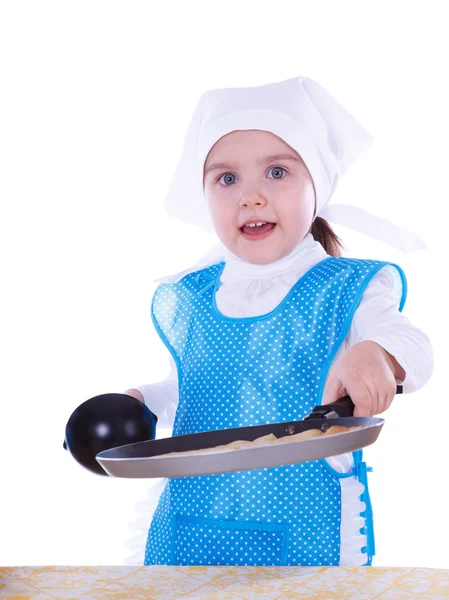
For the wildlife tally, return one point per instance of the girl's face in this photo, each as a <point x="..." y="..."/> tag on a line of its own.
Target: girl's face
<point x="255" y="177"/>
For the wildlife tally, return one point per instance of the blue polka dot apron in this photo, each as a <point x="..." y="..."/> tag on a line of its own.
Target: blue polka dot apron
<point x="238" y="372"/>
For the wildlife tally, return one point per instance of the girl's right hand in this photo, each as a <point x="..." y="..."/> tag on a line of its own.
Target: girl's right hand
<point x="367" y="373"/>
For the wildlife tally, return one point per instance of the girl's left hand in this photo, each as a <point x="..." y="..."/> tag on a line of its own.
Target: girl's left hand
<point x="367" y="373"/>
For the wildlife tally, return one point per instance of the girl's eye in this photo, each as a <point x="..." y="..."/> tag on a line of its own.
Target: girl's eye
<point x="229" y="177"/>
<point x="276" y="170"/>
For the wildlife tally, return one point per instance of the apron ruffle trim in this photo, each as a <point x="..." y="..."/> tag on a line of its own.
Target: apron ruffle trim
<point x="139" y="527"/>
<point x="351" y="539"/>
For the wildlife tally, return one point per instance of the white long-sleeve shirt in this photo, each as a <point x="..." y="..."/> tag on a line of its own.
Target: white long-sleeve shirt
<point x="249" y="290"/>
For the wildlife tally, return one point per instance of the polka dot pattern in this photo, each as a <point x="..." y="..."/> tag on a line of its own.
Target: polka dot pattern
<point x="253" y="371"/>
<point x="262" y="547"/>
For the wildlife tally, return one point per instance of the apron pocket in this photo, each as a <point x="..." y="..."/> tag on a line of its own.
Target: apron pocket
<point x="198" y="541"/>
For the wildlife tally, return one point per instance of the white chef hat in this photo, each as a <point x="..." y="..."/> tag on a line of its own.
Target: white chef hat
<point x="303" y="114"/>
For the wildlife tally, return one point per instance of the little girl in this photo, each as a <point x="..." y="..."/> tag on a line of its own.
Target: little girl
<point x="273" y="323"/>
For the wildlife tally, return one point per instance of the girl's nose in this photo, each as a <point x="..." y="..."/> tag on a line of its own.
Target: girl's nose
<point x="252" y="199"/>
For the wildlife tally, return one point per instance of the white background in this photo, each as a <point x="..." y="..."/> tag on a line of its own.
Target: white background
<point x="94" y="104"/>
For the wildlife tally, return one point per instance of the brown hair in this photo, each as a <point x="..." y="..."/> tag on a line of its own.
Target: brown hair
<point x="323" y="233"/>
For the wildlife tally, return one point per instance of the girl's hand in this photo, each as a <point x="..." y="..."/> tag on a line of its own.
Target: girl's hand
<point x="135" y="394"/>
<point x="367" y="373"/>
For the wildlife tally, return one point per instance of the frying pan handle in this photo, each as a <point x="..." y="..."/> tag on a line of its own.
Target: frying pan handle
<point x="344" y="407"/>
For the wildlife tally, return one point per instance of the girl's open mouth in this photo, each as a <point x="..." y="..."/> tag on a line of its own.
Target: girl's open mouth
<point x="256" y="231"/>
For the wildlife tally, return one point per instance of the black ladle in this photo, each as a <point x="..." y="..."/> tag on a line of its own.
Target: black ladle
<point x="104" y="422"/>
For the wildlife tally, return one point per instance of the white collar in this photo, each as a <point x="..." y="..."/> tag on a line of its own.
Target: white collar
<point x="307" y="252"/>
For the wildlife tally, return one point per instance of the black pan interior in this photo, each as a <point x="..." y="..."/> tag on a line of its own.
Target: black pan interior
<point x="210" y="439"/>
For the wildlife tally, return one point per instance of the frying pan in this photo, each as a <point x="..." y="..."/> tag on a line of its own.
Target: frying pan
<point x="147" y="460"/>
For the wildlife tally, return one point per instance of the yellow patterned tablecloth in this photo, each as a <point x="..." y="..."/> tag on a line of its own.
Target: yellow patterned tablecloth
<point x="241" y="583"/>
